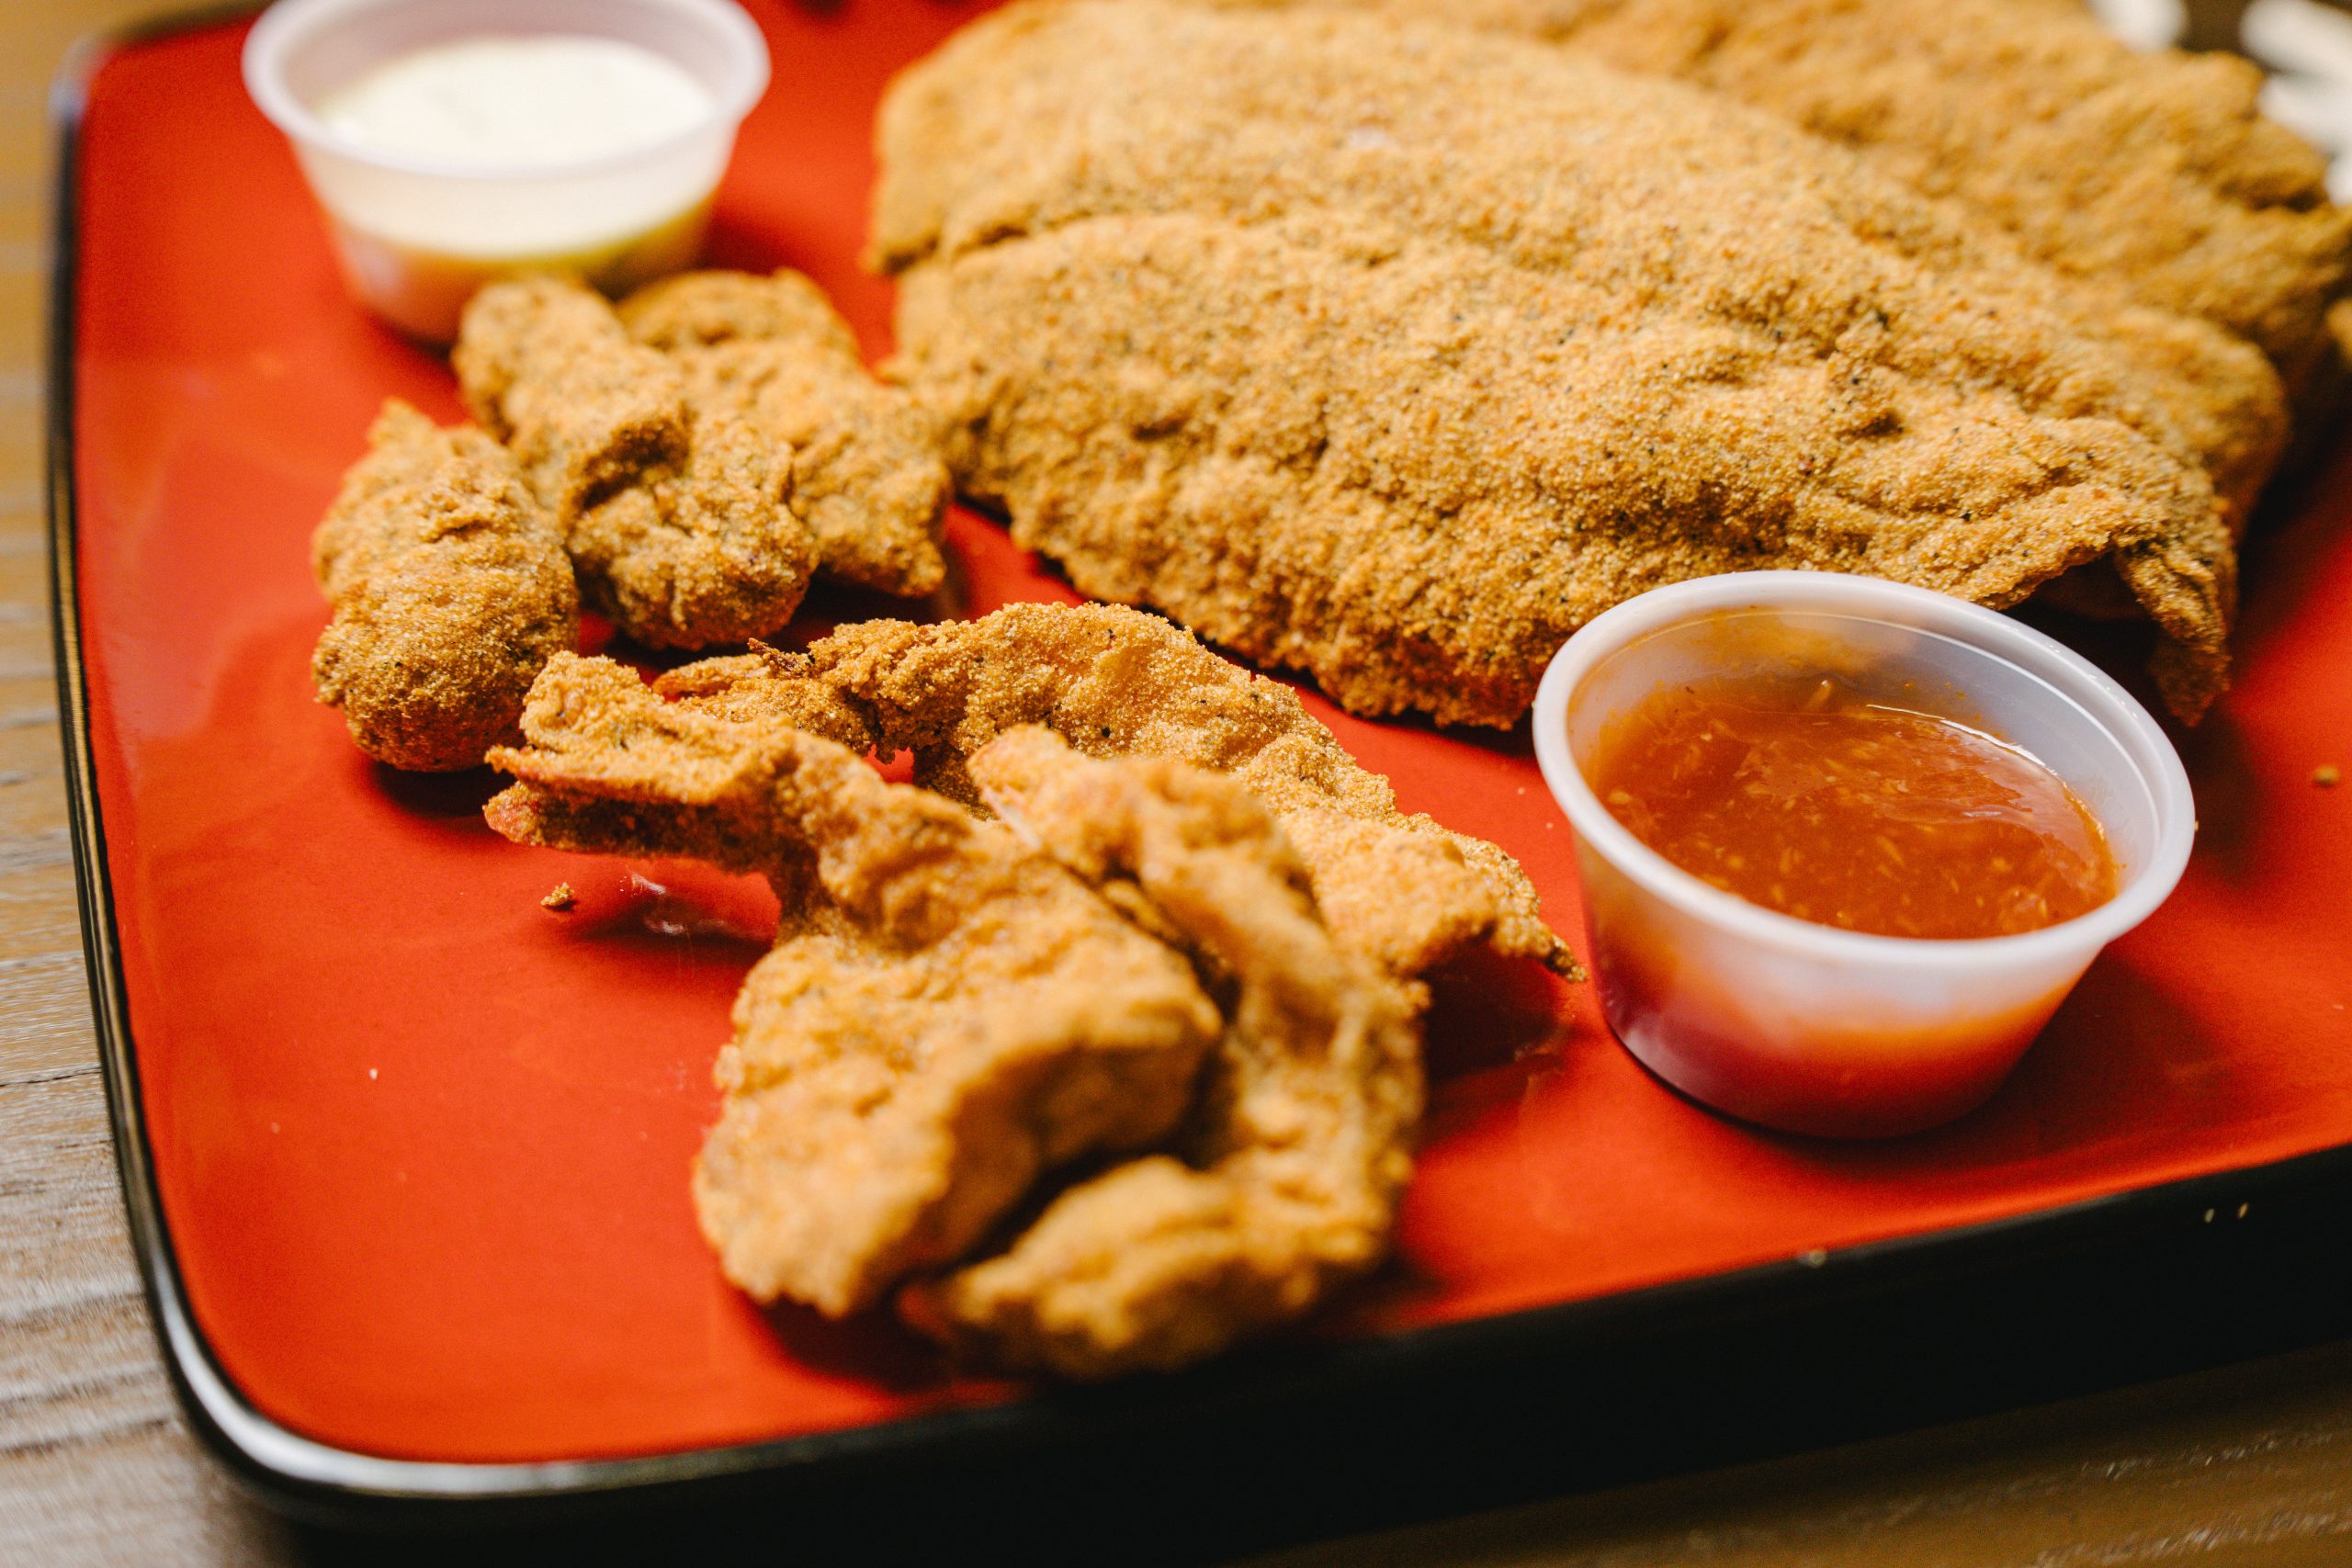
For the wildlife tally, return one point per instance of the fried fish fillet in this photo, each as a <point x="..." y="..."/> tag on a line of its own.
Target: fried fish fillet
<point x="1113" y="682"/>
<point x="1303" y="1142"/>
<point x="947" y="1013"/>
<point x="1401" y="385"/>
<point x="2155" y="172"/>
<point x="450" y="592"/>
<point x="678" y="526"/>
<point x="772" y="355"/>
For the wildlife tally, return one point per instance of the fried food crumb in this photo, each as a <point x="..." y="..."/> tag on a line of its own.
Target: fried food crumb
<point x="2327" y="775"/>
<point x="560" y="899"/>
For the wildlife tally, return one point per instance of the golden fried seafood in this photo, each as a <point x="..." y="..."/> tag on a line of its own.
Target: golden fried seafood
<point x="947" y="1013"/>
<point x="957" y="1006"/>
<point x="450" y="592"/>
<point x="679" y="526"/>
<point x="1113" y="682"/>
<point x="1302" y="1141"/>
<point x="771" y="354"/>
<point x="2153" y="171"/>
<point x="1403" y="384"/>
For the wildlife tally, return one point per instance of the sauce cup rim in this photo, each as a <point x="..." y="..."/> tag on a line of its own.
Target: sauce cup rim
<point x="2092" y="689"/>
<point x="289" y="22"/>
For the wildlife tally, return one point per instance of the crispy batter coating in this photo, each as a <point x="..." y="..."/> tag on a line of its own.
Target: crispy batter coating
<point x="2181" y="379"/>
<point x="1114" y="682"/>
<point x="946" y="1014"/>
<point x="1402" y="386"/>
<point x="679" y="526"/>
<point x="772" y="354"/>
<point x="950" y="1014"/>
<point x="450" y="592"/>
<point x="1302" y="1146"/>
<point x="2153" y="171"/>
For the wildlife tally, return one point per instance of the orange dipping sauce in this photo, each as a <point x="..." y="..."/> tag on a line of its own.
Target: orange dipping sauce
<point x="1819" y="801"/>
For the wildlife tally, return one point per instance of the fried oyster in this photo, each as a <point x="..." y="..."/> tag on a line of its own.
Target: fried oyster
<point x="678" y="523"/>
<point x="450" y="592"/>
<point x="771" y="354"/>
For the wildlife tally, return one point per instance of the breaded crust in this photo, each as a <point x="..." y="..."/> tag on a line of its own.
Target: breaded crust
<point x="2155" y="171"/>
<point x="679" y="525"/>
<point x="772" y="354"/>
<point x="1402" y="386"/>
<point x="967" y="997"/>
<point x="1302" y="1141"/>
<point x="1115" y="682"/>
<point x="947" y="1013"/>
<point x="450" y="590"/>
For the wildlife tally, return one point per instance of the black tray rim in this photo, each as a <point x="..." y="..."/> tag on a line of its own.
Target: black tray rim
<point x="320" y="1481"/>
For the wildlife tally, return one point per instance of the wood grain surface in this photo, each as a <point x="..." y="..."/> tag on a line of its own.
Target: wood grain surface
<point x="2247" y="1464"/>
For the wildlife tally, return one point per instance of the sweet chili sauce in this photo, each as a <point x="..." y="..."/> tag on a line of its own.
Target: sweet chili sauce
<point x="1819" y="800"/>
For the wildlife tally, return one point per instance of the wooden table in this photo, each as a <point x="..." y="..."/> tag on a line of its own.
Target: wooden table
<point x="2250" y="1463"/>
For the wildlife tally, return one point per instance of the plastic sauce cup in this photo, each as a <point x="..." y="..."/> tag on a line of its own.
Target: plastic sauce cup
<point x="1809" y="1027"/>
<point x="416" y="236"/>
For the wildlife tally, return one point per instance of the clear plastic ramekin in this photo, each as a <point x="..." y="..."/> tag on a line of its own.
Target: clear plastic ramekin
<point x="417" y="236"/>
<point x="1805" y="1026"/>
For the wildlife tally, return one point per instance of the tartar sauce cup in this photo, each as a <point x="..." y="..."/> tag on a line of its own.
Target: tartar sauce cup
<point x="416" y="236"/>
<point x="1808" y="1028"/>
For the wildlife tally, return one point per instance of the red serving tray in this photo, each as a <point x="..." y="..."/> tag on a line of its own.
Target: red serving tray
<point x="407" y="1153"/>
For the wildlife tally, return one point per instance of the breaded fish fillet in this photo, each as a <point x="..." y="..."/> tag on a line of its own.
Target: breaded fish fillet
<point x="1114" y="682"/>
<point x="2153" y="171"/>
<point x="1302" y="1141"/>
<point x="678" y="526"/>
<point x="772" y="354"/>
<point x="1237" y="317"/>
<point x="946" y="1014"/>
<point x="450" y="592"/>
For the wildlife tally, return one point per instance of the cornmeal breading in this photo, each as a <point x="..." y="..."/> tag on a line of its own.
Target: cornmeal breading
<point x="2152" y="170"/>
<point x="770" y="354"/>
<point x="678" y="526"/>
<point x="450" y="592"/>
<point x="1403" y="386"/>
<point x="946" y="1014"/>
<point x="1302" y="1141"/>
<point x="1115" y="682"/>
<point x="958" y="1005"/>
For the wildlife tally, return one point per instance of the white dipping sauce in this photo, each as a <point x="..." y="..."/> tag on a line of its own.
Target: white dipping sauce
<point x="497" y="153"/>
<point x="519" y="103"/>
